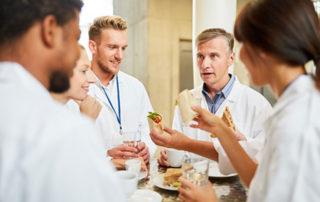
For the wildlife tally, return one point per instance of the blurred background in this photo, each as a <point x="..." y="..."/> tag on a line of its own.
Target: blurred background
<point x="161" y="33"/>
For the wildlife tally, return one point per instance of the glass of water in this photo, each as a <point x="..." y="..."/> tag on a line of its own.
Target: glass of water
<point x="195" y="169"/>
<point x="131" y="138"/>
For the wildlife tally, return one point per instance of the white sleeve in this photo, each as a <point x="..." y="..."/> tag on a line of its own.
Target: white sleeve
<point x="80" y="172"/>
<point x="253" y="145"/>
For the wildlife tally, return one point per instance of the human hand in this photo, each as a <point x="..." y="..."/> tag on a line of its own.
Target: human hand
<point x="163" y="158"/>
<point x="143" y="152"/>
<point x="123" y="152"/>
<point x="169" y="138"/>
<point x="189" y="192"/>
<point x="90" y="107"/>
<point x="239" y="136"/>
<point x="207" y="121"/>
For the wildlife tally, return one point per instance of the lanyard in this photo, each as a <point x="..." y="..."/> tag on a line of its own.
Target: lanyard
<point x="118" y="115"/>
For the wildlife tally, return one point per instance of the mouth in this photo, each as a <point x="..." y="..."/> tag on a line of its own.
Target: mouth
<point x="206" y="74"/>
<point x="115" y="62"/>
<point x="86" y="88"/>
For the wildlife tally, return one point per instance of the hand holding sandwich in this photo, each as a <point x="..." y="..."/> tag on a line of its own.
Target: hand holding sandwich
<point x="169" y="138"/>
<point x="209" y="122"/>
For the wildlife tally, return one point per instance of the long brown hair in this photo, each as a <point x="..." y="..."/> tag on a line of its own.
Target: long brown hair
<point x="288" y="30"/>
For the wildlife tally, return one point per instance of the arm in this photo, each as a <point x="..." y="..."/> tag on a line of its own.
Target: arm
<point x="240" y="160"/>
<point x="177" y="140"/>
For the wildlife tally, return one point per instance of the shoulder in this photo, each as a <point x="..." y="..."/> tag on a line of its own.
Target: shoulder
<point x="251" y="96"/>
<point x="124" y="77"/>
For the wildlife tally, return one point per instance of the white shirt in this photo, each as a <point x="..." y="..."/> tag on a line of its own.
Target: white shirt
<point x="135" y="105"/>
<point x="249" y="109"/>
<point x="290" y="167"/>
<point x="46" y="152"/>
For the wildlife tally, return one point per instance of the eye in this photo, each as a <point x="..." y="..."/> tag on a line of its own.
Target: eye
<point x="200" y="57"/>
<point x="112" y="47"/>
<point x="213" y="55"/>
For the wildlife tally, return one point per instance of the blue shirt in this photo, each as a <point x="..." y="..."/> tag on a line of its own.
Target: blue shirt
<point x="214" y="104"/>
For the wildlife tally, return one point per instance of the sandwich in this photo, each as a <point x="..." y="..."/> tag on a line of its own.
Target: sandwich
<point x="155" y="120"/>
<point x="171" y="177"/>
<point x="227" y="119"/>
<point x="185" y="101"/>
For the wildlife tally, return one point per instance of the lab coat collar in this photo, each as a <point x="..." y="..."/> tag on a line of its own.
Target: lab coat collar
<point x="300" y="85"/>
<point x="231" y="98"/>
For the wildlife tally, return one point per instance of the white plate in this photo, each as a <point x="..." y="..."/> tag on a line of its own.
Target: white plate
<point x="214" y="171"/>
<point x="158" y="182"/>
<point x="145" y="195"/>
<point x="143" y="175"/>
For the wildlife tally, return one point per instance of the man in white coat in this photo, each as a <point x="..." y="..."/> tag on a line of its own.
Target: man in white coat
<point x="46" y="152"/>
<point x="221" y="89"/>
<point x="125" y="101"/>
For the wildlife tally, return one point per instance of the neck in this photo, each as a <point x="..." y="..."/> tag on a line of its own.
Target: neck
<point x="283" y="76"/>
<point x="104" y="76"/>
<point x="23" y="51"/>
<point x="214" y="88"/>
<point x="60" y="97"/>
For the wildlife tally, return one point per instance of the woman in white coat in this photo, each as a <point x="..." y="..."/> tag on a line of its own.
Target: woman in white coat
<point x="278" y="38"/>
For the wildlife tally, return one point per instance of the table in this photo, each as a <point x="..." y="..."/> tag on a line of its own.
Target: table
<point x="227" y="189"/>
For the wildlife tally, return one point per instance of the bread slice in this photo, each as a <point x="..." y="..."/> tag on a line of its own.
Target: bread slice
<point x="227" y="119"/>
<point x="185" y="101"/>
<point x="171" y="176"/>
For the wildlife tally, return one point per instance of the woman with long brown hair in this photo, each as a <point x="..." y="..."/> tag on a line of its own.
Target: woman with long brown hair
<point x="278" y="38"/>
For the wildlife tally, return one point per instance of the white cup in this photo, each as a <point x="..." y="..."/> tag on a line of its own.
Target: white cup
<point x="175" y="157"/>
<point x="133" y="165"/>
<point x="128" y="180"/>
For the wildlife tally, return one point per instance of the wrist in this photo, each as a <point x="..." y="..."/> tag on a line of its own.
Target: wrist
<point x="183" y="143"/>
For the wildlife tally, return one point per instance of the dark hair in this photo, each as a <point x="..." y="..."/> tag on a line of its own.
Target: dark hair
<point x="286" y="29"/>
<point x="58" y="82"/>
<point x="17" y="16"/>
<point x="213" y="33"/>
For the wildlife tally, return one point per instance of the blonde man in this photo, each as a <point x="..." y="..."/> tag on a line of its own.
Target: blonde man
<point x="125" y="99"/>
<point x="219" y="90"/>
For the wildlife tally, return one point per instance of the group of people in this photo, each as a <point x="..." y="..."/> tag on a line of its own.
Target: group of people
<point x="62" y="116"/>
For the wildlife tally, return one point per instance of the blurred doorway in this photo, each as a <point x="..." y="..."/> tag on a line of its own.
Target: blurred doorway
<point x="185" y="65"/>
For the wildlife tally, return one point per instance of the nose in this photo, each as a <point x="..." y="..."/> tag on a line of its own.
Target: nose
<point x="119" y="54"/>
<point x="205" y="63"/>
<point x="90" y="77"/>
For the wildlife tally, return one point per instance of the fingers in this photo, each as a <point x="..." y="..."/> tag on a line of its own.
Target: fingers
<point x="197" y="109"/>
<point x="169" y="130"/>
<point x="157" y="138"/>
<point x="128" y="148"/>
<point x="163" y="158"/>
<point x="186" y="184"/>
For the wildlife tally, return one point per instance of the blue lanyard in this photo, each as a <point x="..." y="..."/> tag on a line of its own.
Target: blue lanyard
<point x="118" y="115"/>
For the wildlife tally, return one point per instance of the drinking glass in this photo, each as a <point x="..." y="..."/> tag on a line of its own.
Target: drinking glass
<point x="195" y="169"/>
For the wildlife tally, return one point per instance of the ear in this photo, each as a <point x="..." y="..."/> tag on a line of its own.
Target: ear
<point x="231" y="59"/>
<point x="50" y="31"/>
<point x="93" y="47"/>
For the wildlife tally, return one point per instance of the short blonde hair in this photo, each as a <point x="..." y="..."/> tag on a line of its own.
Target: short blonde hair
<point x="213" y="33"/>
<point x="106" y="22"/>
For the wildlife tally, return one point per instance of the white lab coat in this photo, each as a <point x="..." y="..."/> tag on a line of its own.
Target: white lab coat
<point x="290" y="166"/>
<point x="47" y="153"/>
<point x="249" y="110"/>
<point x="135" y="105"/>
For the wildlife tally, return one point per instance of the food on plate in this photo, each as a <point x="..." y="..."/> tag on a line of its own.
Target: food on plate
<point x="185" y="101"/>
<point x="155" y="120"/>
<point x="171" y="177"/>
